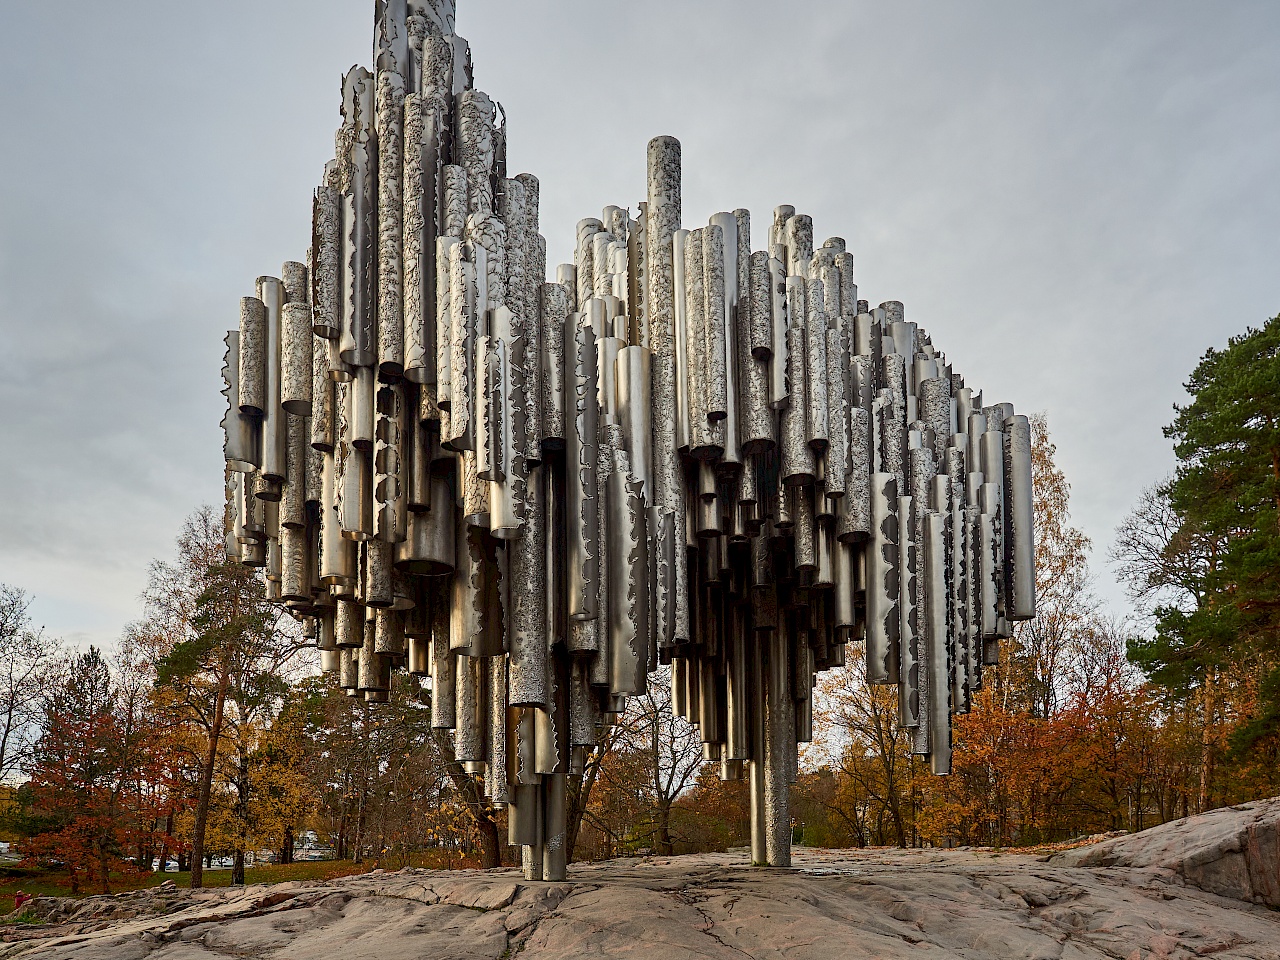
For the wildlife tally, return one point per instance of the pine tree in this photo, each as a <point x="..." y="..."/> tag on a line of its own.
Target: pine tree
<point x="1227" y="491"/>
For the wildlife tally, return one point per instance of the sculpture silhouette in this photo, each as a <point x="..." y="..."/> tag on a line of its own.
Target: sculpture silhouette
<point x="680" y="451"/>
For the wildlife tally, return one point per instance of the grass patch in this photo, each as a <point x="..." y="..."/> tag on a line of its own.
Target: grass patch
<point x="24" y="917"/>
<point x="54" y="883"/>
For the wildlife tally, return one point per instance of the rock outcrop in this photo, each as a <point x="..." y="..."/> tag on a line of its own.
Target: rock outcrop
<point x="1233" y="851"/>
<point x="834" y="904"/>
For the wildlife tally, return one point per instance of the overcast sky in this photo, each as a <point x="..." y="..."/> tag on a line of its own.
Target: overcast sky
<point x="1076" y="199"/>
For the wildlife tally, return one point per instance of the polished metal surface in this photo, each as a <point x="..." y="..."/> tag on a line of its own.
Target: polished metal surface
<point x="682" y="451"/>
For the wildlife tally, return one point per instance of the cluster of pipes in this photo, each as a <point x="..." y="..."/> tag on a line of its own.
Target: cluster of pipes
<point x="681" y="451"/>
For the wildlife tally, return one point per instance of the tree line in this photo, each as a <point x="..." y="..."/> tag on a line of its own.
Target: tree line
<point x="208" y="734"/>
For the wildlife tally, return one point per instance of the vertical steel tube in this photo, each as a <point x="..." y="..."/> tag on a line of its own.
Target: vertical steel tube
<point x="554" y="831"/>
<point x="554" y="314"/>
<point x="497" y="785"/>
<point x="836" y="469"/>
<point x="697" y="385"/>
<point x="474" y="149"/>
<point x="883" y="575"/>
<point x="326" y="252"/>
<point x="939" y="718"/>
<point x="464" y="304"/>
<point x="580" y="457"/>
<point x="418" y="243"/>
<point x="737" y="689"/>
<point x="443" y="319"/>
<point x="780" y="387"/>
<point x="528" y="578"/>
<point x="1020" y="568"/>
<point x="817" y="430"/>
<point x="755" y="348"/>
<point x="628" y="580"/>
<point x="634" y="404"/>
<point x="908" y="637"/>
<point x="274" y="431"/>
<point x="722" y="302"/>
<point x="296" y="367"/>
<point x="356" y="162"/>
<point x="680" y="303"/>
<point x="584" y="261"/>
<point x="779" y="742"/>
<point x="389" y="119"/>
<point x="799" y="466"/>
<point x="757" y="698"/>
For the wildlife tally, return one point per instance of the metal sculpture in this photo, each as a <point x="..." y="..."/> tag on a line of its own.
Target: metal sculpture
<point x="681" y="451"/>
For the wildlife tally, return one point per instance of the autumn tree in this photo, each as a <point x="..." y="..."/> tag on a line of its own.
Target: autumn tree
<point x="1165" y="561"/>
<point x="279" y="798"/>
<point x="384" y="784"/>
<point x="91" y="769"/>
<point x="1161" y="557"/>
<point x="223" y="657"/>
<point x="338" y="729"/>
<point x="159" y="782"/>
<point x="1039" y="655"/>
<point x="620" y="816"/>
<point x="857" y="736"/>
<point x="714" y="814"/>
<point x="28" y="657"/>
<point x="656" y="757"/>
<point x="580" y="785"/>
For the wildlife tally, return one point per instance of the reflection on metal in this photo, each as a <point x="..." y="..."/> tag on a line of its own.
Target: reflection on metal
<point x="681" y="451"/>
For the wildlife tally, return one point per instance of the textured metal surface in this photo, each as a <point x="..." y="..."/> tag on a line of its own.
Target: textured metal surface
<point x="634" y="387"/>
<point x="815" y="367"/>
<point x="529" y="642"/>
<point x="681" y="451"/>
<point x="1020" y="573"/>
<point x="714" y="319"/>
<point x="464" y="302"/>
<point x="628" y="581"/>
<point x="554" y="313"/>
<point x="240" y="434"/>
<point x="271" y="293"/>
<point x="799" y="465"/>
<point x="581" y="427"/>
<point x="389" y="119"/>
<point x="295" y="359"/>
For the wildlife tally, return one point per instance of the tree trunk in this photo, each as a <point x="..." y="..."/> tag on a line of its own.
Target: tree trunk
<point x="242" y="815"/>
<point x="1206" y="746"/>
<point x="206" y="787"/>
<point x="481" y="812"/>
<point x="357" y="841"/>
<point x="573" y="821"/>
<point x="579" y="797"/>
<point x="664" y="829"/>
<point x="168" y="836"/>
<point x="103" y="870"/>
<point x="286" y="848"/>
<point x="490" y="845"/>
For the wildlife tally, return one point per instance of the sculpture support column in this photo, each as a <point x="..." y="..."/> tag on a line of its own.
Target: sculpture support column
<point x="779" y="742"/>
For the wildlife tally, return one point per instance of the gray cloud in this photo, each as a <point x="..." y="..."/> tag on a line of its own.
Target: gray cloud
<point x="1076" y="200"/>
